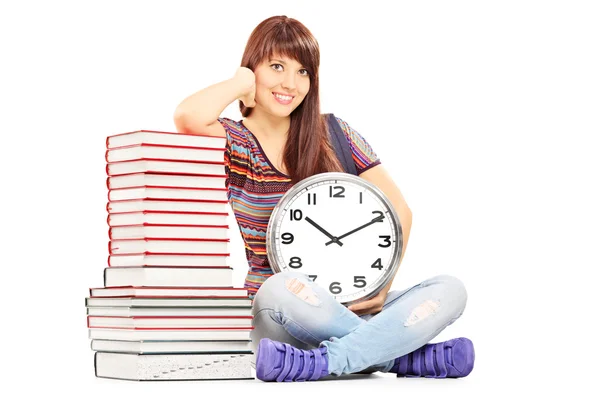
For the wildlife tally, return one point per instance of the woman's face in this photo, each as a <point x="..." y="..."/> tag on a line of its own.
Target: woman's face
<point x="281" y="85"/>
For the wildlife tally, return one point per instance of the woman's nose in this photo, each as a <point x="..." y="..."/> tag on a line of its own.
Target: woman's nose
<point x="289" y="81"/>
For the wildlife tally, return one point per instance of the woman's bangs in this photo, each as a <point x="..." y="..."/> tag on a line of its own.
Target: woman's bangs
<point x="286" y="45"/>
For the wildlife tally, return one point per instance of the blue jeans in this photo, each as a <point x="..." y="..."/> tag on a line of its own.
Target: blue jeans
<point x="289" y="307"/>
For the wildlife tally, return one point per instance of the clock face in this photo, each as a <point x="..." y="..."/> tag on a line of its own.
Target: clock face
<point x="341" y="231"/>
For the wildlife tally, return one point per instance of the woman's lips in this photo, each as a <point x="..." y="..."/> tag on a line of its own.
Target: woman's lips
<point x="283" y="99"/>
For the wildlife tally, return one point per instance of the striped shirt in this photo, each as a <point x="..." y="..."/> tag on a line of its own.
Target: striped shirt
<point x="254" y="187"/>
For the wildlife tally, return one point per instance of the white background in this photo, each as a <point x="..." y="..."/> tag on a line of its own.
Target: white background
<point x="486" y="114"/>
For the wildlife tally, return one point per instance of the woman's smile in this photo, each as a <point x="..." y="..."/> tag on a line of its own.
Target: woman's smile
<point x="283" y="99"/>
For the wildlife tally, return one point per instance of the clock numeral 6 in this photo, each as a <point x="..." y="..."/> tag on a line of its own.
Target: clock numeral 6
<point x="338" y="194"/>
<point x="377" y="264"/>
<point x="360" y="279"/>
<point x="387" y="240"/>
<point x="295" y="262"/>
<point x="335" y="288"/>
<point x="287" y="238"/>
<point x="313" y="277"/>
<point x="295" y="215"/>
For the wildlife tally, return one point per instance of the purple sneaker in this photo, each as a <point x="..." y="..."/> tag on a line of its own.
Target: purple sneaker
<point x="451" y="359"/>
<point x="276" y="361"/>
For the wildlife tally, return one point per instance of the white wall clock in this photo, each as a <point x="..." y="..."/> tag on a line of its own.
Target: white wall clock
<point x="341" y="231"/>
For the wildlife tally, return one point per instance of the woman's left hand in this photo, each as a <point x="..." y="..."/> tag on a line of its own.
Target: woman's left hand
<point x="371" y="306"/>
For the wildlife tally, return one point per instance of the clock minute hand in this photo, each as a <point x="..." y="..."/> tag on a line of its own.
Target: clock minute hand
<point x="329" y="235"/>
<point x="378" y="219"/>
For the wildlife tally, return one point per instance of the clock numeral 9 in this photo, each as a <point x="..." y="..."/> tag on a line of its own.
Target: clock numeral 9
<point x="335" y="288"/>
<point x="295" y="262"/>
<point x="295" y="215"/>
<point x="377" y="264"/>
<point x="360" y="279"/>
<point x="387" y="240"/>
<point x="338" y="194"/>
<point x="287" y="238"/>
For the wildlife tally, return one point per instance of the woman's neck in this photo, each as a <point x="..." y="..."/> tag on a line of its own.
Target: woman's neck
<point x="267" y="125"/>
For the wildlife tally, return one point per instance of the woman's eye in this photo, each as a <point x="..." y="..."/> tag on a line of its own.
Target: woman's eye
<point x="303" y="72"/>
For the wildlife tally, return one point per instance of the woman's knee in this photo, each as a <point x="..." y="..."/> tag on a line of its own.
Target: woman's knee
<point x="454" y="289"/>
<point x="269" y="295"/>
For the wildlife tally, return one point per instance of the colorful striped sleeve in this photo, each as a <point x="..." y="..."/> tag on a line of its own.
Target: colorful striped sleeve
<point x="237" y="155"/>
<point x="363" y="154"/>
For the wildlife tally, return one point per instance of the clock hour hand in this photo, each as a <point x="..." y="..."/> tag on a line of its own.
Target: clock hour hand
<point x="329" y="235"/>
<point x="378" y="219"/>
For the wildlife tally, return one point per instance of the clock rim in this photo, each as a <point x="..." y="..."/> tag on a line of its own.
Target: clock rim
<point x="273" y="262"/>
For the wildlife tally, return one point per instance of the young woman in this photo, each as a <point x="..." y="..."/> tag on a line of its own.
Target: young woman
<point x="300" y="331"/>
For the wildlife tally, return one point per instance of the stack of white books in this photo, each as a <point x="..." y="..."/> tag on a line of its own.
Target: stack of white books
<point x="168" y="309"/>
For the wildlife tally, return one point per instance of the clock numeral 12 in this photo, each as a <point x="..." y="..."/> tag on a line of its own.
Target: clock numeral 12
<point x="338" y="194"/>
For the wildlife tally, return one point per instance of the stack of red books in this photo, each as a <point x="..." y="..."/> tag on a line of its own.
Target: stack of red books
<point x="168" y="309"/>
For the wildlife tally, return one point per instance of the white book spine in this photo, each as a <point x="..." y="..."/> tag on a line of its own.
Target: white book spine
<point x="166" y="193"/>
<point x="168" y="246"/>
<point x="165" y="219"/>
<point x="173" y="366"/>
<point x="172" y="276"/>
<point x="175" y="260"/>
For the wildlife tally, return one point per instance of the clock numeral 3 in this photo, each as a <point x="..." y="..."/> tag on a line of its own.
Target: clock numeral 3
<point x="360" y="279"/>
<point x="387" y="240"/>
<point x="377" y="264"/>
<point x="335" y="288"/>
<point x="295" y="262"/>
<point x="312" y="198"/>
<point x="287" y="238"/>
<point x="313" y="277"/>
<point x="295" y="215"/>
<point x="338" y="194"/>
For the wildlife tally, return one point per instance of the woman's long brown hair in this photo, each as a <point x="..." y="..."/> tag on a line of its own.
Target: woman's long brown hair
<point x="308" y="150"/>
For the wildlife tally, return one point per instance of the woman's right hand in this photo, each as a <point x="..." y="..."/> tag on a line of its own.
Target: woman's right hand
<point x="247" y="81"/>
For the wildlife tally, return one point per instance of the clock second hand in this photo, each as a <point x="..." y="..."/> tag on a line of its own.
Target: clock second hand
<point x="329" y="235"/>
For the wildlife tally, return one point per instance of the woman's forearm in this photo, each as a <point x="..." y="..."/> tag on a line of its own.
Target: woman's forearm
<point x="204" y="107"/>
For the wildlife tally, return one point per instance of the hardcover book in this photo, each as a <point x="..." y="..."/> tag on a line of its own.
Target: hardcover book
<point x="151" y="294"/>
<point x="167" y="218"/>
<point x="171" y="346"/>
<point x="168" y="367"/>
<point x="162" y="152"/>
<point x="153" y="204"/>
<point x="165" y="167"/>
<point x="164" y="138"/>
<point x="152" y="179"/>
<point x="168" y="276"/>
